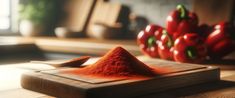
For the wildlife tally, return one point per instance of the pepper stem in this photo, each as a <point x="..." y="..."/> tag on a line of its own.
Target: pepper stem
<point x="191" y="52"/>
<point x="151" y="40"/>
<point x="183" y="11"/>
<point x="169" y="41"/>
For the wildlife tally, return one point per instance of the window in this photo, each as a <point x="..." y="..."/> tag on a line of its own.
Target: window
<point x="8" y="16"/>
<point x="5" y="16"/>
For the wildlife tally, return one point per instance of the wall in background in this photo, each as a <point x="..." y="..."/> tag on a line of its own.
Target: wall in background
<point x="155" y="11"/>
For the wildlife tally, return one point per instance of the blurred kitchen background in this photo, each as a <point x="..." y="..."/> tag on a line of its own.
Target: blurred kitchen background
<point x="60" y="29"/>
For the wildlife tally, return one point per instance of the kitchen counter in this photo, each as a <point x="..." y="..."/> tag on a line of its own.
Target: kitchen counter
<point x="10" y="73"/>
<point x="71" y="45"/>
<point x="22" y="49"/>
<point x="10" y="84"/>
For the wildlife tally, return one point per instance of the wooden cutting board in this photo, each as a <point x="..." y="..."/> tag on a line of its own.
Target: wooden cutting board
<point x="64" y="85"/>
<point x="105" y="13"/>
<point x="78" y="13"/>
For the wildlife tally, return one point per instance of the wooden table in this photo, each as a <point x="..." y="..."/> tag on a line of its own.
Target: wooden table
<point x="10" y="73"/>
<point x="10" y="84"/>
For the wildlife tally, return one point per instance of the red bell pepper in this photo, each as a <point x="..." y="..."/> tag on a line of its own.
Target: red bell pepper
<point x="221" y="41"/>
<point x="148" y="40"/>
<point x="165" y="46"/>
<point x="181" y="21"/>
<point x="189" y="48"/>
<point x="204" y="30"/>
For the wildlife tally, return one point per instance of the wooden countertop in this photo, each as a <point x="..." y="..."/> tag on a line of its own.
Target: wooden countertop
<point x="10" y="84"/>
<point x="10" y="74"/>
<point x="72" y="45"/>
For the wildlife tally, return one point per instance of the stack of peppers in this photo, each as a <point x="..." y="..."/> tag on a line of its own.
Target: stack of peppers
<point x="183" y="40"/>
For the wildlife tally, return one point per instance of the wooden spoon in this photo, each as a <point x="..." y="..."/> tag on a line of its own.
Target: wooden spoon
<point x="76" y="62"/>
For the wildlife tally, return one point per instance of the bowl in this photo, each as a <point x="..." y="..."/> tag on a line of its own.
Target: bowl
<point x="65" y="32"/>
<point x="104" y="31"/>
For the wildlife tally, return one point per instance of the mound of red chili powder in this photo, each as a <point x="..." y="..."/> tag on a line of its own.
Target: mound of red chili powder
<point x="117" y="63"/>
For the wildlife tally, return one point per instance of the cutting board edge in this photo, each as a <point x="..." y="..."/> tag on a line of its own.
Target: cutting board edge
<point x="211" y="74"/>
<point x="46" y="86"/>
<point x="161" y="84"/>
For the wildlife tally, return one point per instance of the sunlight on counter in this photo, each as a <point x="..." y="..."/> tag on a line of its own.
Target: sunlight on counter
<point x="10" y="74"/>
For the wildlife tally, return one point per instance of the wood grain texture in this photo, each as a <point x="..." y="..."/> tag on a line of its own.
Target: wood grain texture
<point x="78" y="14"/>
<point x="66" y="87"/>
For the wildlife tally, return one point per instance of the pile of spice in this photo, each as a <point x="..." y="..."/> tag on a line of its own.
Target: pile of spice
<point x="117" y="63"/>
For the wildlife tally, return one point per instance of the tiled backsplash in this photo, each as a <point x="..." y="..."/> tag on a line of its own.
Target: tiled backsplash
<point x="154" y="10"/>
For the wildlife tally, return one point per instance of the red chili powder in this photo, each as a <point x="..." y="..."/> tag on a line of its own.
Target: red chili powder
<point x="117" y="63"/>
